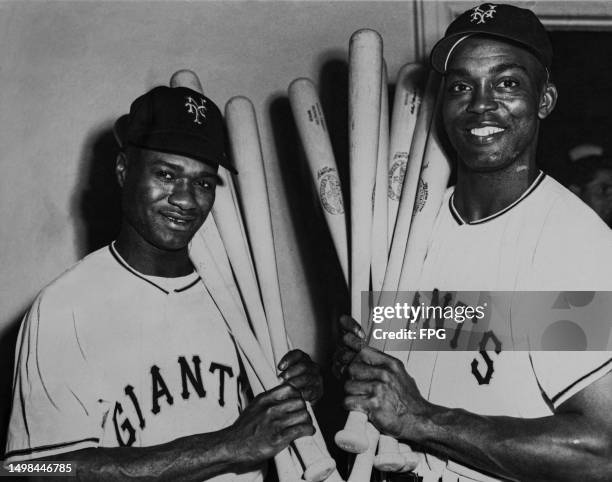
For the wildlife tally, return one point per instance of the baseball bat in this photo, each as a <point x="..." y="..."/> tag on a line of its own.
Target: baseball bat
<point x="247" y="155"/>
<point x="314" y="135"/>
<point x="433" y="181"/>
<point x="409" y="188"/>
<point x="406" y="102"/>
<point x="388" y="456"/>
<point x="209" y="258"/>
<point x="231" y="228"/>
<point x="379" y="216"/>
<point x="362" y="468"/>
<point x="365" y="74"/>
<point x="186" y="78"/>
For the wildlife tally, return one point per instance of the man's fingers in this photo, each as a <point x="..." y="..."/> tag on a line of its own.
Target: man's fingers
<point x="358" y="403"/>
<point x="291" y="358"/>
<point x="300" y="369"/>
<point x="371" y="356"/>
<point x="280" y="393"/>
<point x="353" y="387"/>
<point x="303" y="381"/>
<point x="350" y="325"/>
<point x="362" y="371"/>
<point x="296" y="431"/>
<point x="353" y="342"/>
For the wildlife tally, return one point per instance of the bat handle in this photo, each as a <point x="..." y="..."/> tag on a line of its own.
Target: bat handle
<point x="353" y="437"/>
<point x="362" y="468"/>
<point x="390" y="458"/>
<point x="318" y="466"/>
<point x="285" y="468"/>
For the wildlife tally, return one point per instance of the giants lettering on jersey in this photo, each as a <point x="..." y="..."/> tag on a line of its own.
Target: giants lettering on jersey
<point x="482" y="367"/>
<point x="191" y="383"/>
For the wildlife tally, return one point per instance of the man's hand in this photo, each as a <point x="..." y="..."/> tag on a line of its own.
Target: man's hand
<point x="379" y="386"/>
<point x="299" y="371"/>
<point x="270" y="422"/>
<point x="351" y="340"/>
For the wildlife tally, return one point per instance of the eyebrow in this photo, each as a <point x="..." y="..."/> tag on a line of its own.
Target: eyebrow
<point x="211" y="175"/>
<point x="496" y="69"/>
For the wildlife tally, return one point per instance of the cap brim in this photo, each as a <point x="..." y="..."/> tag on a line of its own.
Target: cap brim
<point x="445" y="46"/>
<point x="182" y="144"/>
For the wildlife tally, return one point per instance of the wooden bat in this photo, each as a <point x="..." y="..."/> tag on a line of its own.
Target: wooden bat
<point x="186" y="78"/>
<point x="404" y="217"/>
<point x="380" y="244"/>
<point x="312" y="129"/>
<point x="231" y="227"/>
<point x="406" y="102"/>
<point x="246" y="152"/>
<point x="362" y="468"/>
<point x="433" y="181"/>
<point x="388" y="457"/>
<point x="365" y="74"/>
<point x="391" y="455"/>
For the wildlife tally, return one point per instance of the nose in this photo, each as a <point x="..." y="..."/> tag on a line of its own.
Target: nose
<point x="182" y="196"/>
<point x="482" y="100"/>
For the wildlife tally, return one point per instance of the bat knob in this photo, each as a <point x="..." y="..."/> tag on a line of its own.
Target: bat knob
<point x="389" y="458"/>
<point x="320" y="470"/>
<point x="353" y="438"/>
<point x="390" y="462"/>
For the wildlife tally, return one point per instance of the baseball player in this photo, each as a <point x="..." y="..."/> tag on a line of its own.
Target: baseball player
<point x="125" y="365"/>
<point x="494" y="413"/>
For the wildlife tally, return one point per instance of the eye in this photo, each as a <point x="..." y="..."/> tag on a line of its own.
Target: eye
<point x="206" y="184"/>
<point x="458" y="87"/>
<point x="507" y="83"/>
<point x="164" y="175"/>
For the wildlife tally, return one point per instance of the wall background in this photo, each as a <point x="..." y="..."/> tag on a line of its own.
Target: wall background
<point x="69" y="69"/>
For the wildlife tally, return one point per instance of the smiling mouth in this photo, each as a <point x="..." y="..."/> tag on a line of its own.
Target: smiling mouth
<point x="177" y="221"/>
<point x="486" y="131"/>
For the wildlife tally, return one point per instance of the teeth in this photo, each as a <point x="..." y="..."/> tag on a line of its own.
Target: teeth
<point x="177" y="221"/>
<point x="485" y="131"/>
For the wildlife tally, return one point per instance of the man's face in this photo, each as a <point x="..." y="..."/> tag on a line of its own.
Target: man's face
<point x="166" y="197"/>
<point x="598" y="194"/>
<point x="493" y="99"/>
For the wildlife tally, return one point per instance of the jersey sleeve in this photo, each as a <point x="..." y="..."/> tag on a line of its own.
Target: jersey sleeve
<point x="54" y="408"/>
<point x="561" y="375"/>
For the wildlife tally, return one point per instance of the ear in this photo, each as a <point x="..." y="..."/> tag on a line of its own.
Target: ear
<point x="575" y="189"/>
<point x="548" y="100"/>
<point x="121" y="168"/>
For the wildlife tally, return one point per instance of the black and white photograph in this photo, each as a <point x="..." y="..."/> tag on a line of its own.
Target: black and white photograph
<point x="304" y="240"/>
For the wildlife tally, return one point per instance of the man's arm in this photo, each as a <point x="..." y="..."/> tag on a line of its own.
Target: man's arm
<point x="269" y="424"/>
<point x="573" y="444"/>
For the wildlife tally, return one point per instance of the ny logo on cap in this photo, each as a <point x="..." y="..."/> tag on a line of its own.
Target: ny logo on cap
<point x="480" y="16"/>
<point x="194" y="108"/>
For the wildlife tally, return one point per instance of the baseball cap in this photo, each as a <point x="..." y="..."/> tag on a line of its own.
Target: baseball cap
<point x="176" y="120"/>
<point x="517" y="25"/>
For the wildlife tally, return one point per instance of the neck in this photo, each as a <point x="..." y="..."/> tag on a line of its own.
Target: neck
<point x="481" y="194"/>
<point x="150" y="260"/>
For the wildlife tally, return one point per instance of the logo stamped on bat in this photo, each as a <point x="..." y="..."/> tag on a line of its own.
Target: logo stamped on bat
<point x="199" y="111"/>
<point x="421" y="197"/>
<point x="330" y="192"/>
<point x="396" y="175"/>
<point x="479" y="15"/>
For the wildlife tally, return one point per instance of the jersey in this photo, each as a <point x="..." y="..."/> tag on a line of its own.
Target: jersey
<point x="546" y="240"/>
<point x="109" y="357"/>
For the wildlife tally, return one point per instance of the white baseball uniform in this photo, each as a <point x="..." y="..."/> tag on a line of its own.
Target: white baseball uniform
<point x="109" y="357"/>
<point x="546" y="240"/>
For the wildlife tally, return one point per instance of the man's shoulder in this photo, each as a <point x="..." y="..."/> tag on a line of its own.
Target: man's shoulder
<point x="572" y="216"/>
<point x="88" y="275"/>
